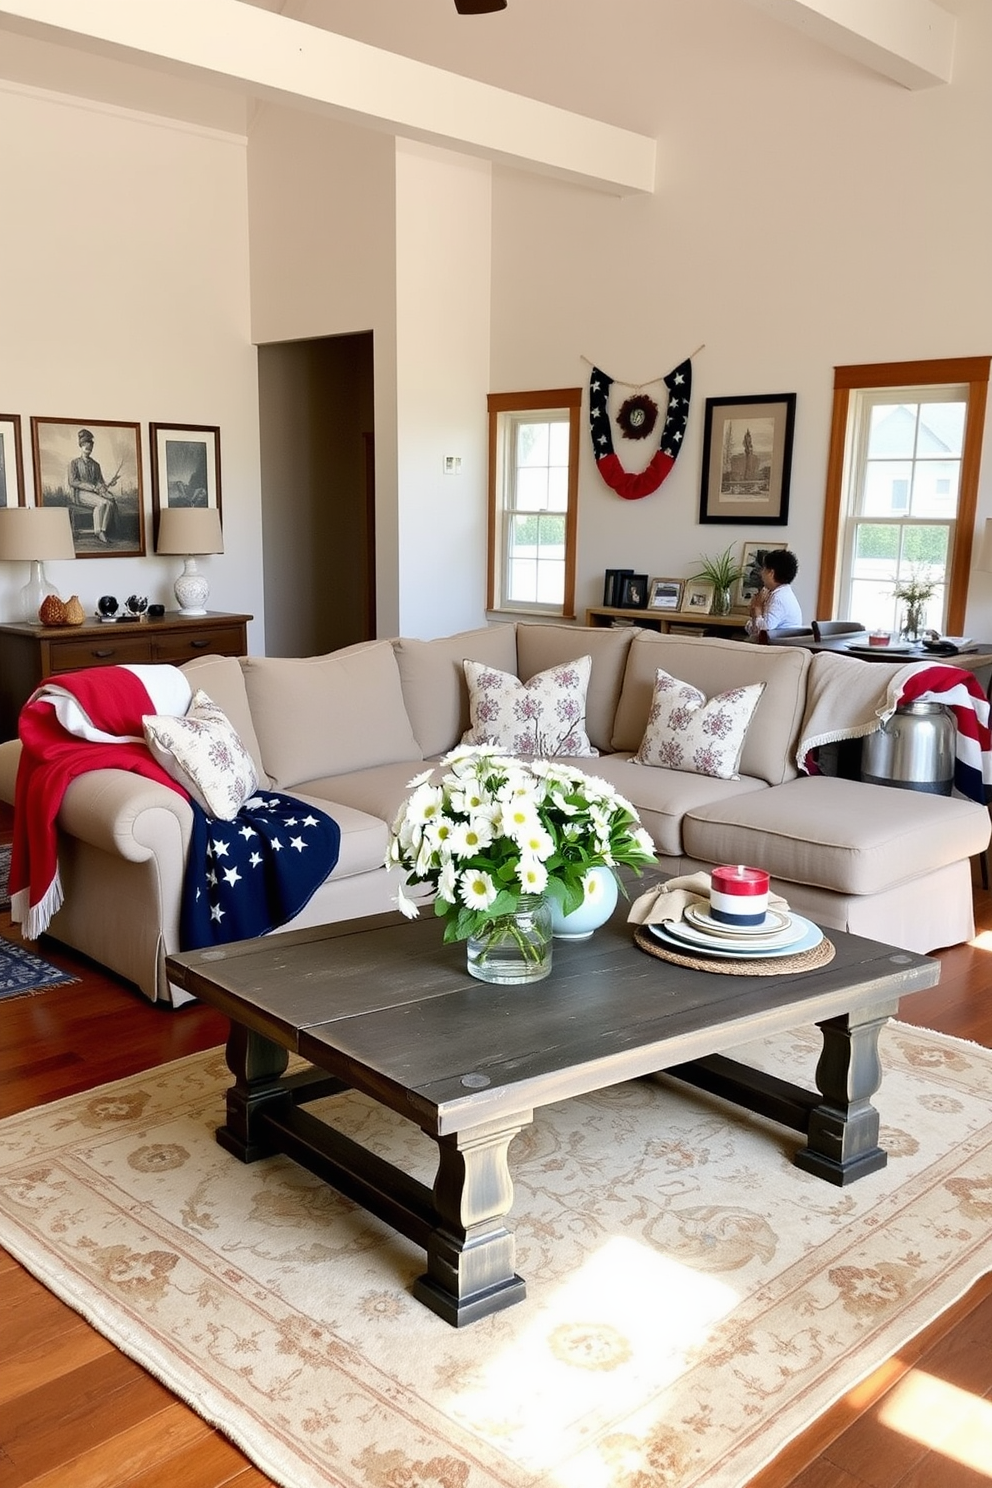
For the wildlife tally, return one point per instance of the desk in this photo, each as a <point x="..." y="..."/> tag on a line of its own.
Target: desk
<point x="691" y="622"/>
<point x="977" y="659"/>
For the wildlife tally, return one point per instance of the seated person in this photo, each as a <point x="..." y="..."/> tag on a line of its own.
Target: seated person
<point x="775" y="605"/>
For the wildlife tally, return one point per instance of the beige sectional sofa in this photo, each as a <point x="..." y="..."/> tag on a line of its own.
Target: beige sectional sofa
<point x="348" y="730"/>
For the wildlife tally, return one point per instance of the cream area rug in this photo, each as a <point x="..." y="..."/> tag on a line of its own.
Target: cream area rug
<point x="694" y="1300"/>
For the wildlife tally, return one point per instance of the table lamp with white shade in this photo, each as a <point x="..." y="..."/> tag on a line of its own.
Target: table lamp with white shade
<point x="190" y="531"/>
<point x="30" y="534"/>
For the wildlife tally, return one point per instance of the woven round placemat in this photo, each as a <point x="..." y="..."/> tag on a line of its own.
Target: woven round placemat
<point x="811" y="960"/>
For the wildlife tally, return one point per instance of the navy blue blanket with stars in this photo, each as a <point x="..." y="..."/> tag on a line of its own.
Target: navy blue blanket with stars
<point x="248" y="876"/>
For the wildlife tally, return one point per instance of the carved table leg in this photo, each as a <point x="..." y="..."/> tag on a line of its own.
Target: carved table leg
<point x="257" y="1065"/>
<point x="470" y="1252"/>
<point x="843" y="1129"/>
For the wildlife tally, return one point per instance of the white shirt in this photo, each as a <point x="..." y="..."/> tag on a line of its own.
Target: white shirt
<point x="782" y="609"/>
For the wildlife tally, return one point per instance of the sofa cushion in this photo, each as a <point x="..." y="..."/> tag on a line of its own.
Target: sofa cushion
<point x="324" y="715"/>
<point x="364" y="837"/>
<point x="203" y="753"/>
<point x="699" y="735"/>
<point x="839" y="834"/>
<point x="433" y="680"/>
<point x="379" y="791"/>
<point x="545" y="716"/>
<point x="223" y="680"/>
<point x="541" y="646"/>
<point x="713" y="665"/>
<point x="662" y="797"/>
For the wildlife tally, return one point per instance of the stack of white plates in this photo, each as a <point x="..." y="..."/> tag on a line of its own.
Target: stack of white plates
<point x="780" y="933"/>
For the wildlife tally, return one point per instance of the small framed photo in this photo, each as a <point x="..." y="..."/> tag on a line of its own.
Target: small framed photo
<point x="185" y="467"/>
<point x="752" y="562"/>
<point x="11" y="463"/>
<point x="665" y="594"/>
<point x="747" y="459"/>
<point x="698" y="596"/>
<point x="93" y="467"/>
<point x="633" y="592"/>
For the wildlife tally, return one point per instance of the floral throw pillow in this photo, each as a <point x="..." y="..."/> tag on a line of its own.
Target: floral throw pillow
<point x="537" y="719"/>
<point x="686" y="731"/>
<point x="203" y="753"/>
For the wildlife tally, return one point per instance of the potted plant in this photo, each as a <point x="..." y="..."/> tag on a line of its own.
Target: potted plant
<point x="500" y="840"/>
<point x="723" y="573"/>
<point x="914" y="593"/>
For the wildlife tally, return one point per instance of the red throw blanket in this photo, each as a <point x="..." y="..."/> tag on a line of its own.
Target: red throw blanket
<point x="89" y="720"/>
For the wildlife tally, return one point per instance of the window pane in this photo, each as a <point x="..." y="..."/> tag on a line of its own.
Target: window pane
<point x="873" y="605"/>
<point x="532" y="444"/>
<point x="887" y="485"/>
<point x="925" y="547"/>
<point x="558" y="450"/>
<point x="935" y="488"/>
<point x="874" y="542"/>
<point x="558" y="488"/>
<point x="892" y="430"/>
<point x="522" y="580"/>
<point x="532" y="489"/>
<point x="941" y="429"/>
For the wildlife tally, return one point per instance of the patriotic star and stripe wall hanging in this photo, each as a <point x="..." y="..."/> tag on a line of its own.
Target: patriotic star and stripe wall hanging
<point x="632" y="485"/>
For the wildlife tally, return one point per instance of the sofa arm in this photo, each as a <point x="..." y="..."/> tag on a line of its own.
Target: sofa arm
<point x="124" y="813"/>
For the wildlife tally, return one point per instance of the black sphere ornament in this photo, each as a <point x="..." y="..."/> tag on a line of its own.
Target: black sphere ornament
<point x="107" y="605"/>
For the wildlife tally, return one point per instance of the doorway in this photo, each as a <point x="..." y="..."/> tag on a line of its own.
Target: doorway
<point x="317" y="460"/>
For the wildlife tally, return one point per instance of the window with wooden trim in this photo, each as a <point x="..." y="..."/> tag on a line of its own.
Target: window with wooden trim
<point x="902" y="489"/>
<point x="533" y="500"/>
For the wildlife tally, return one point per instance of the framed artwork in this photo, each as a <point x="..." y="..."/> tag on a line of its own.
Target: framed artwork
<point x="633" y="592"/>
<point x="752" y="562"/>
<point x="185" y="467"/>
<point x="665" y="594"/>
<point x="11" y="464"/>
<point x="747" y="459"/>
<point x="92" y="466"/>
<point x="698" y="596"/>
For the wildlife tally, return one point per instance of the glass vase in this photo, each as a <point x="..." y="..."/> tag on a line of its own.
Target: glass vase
<point x="721" y="601"/>
<point x="514" y="947"/>
<point x="912" y="623"/>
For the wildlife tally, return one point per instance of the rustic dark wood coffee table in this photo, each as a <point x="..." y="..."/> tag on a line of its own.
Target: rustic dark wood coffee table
<point x="382" y="1006"/>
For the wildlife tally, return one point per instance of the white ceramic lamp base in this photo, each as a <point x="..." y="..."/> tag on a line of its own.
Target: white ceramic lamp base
<point x="191" y="590"/>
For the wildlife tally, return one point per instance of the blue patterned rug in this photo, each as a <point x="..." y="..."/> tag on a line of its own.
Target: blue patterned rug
<point x="22" y="972"/>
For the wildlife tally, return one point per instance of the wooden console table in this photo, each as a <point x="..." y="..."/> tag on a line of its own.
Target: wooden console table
<point x="666" y="620"/>
<point x="31" y="653"/>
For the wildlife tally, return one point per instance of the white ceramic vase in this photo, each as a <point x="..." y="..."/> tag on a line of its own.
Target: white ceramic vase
<point x="600" y="886"/>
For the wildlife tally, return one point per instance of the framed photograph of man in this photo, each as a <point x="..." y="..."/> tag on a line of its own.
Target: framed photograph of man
<point x="185" y="467"/>
<point x="747" y="459"/>
<point x="93" y="467"/>
<point x="11" y="464"/>
<point x="752" y="562"/>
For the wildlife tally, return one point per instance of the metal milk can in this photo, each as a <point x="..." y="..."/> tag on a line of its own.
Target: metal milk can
<point x="914" y="750"/>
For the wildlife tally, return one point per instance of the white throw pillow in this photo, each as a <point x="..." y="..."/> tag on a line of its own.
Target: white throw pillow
<point x="203" y="753"/>
<point x="698" y="736"/>
<point x="540" y="718"/>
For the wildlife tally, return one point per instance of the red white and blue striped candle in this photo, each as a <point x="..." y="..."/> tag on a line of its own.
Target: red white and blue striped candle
<point x="738" y="894"/>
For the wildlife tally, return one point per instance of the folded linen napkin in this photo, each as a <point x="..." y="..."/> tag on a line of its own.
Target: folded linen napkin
<point x="669" y="901"/>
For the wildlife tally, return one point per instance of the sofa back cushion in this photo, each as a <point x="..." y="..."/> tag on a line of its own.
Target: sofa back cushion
<point x="222" y="679"/>
<point x="433" y="679"/>
<point x="323" y="715"/>
<point x="542" y="646"/>
<point x="713" y="665"/>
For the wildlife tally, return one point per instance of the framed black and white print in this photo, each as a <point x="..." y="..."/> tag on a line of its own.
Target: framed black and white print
<point x="665" y="594"/>
<point x="753" y="556"/>
<point x="185" y="466"/>
<point x="747" y="459"/>
<point x="11" y="463"/>
<point x="93" y="467"/>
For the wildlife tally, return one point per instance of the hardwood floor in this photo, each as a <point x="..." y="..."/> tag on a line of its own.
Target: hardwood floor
<point x="74" y="1413"/>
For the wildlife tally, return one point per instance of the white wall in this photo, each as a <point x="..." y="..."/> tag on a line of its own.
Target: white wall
<point x="443" y="231"/>
<point x="808" y="214"/>
<point x="124" y="265"/>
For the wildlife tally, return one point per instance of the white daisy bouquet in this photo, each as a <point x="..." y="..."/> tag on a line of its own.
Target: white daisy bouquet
<point x="493" y="829"/>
